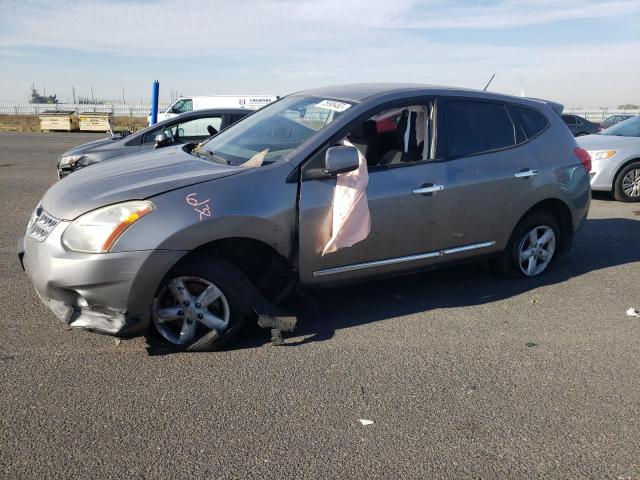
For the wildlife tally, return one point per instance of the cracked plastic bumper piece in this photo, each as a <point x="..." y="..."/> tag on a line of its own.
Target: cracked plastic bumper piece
<point x="108" y="293"/>
<point x="277" y="324"/>
<point x="99" y="319"/>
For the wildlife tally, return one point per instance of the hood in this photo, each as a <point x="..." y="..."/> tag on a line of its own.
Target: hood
<point x="605" y="142"/>
<point x="133" y="177"/>
<point x="86" y="147"/>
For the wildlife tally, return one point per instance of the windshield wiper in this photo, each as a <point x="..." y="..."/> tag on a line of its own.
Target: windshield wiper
<point x="209" y="155"/>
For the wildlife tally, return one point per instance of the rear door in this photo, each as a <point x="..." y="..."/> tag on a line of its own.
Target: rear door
<point x="489" y="173"/>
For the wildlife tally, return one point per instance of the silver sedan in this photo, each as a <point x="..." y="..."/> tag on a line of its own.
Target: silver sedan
<point x="615" y="156"/>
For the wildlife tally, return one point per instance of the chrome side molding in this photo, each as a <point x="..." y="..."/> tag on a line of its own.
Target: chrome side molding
<point x="409" y="258"/>
<point x="466" y="248"/>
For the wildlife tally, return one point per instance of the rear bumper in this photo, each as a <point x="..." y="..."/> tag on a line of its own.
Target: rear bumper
<point x="581" y="207"/>
<point x="108" y="293"/>
<point x="577" y="196"/>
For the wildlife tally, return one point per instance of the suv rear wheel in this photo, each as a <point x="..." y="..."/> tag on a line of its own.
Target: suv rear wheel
<point x="532" y="247"/>
<point x="201" y="305"/>
<point x="626" y="187"/>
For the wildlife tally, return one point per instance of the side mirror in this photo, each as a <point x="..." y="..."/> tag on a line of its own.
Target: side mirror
<point x="341" y="160"/>
<point x="161" y="140"/>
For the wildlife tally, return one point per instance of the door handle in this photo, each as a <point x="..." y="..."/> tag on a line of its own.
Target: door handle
<point x="429" y="189"/>
<point x="526" y="173"/>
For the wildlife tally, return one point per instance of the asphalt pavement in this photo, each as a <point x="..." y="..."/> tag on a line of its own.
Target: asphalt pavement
<point x="463" y="374"/>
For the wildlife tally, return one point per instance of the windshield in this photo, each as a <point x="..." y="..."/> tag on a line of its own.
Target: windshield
<point x="273" y="131"/>
<point x="627" y="128"/>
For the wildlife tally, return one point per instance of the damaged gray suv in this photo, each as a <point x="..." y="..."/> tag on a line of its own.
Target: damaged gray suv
<point x="187" y="242"/>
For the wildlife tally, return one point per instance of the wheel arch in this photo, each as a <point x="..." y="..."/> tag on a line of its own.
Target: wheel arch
<point x="561" y="211"/>
<point x="622" y="166"/>
<point x="267" y="269"/>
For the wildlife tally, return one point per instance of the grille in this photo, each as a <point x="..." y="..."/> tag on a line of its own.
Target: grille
<point x="44" y="223"/>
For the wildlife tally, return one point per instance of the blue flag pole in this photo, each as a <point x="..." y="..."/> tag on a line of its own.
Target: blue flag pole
<point x="154" y="102"/>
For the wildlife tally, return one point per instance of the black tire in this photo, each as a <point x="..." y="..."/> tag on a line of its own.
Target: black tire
<point x="238" y="293"/>
<point x="508" y="264"/>
<point x="618" y="188"/>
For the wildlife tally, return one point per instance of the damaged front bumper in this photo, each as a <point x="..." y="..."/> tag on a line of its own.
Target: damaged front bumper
<point x="108" y="293"/>
<point x="90" y="317"/>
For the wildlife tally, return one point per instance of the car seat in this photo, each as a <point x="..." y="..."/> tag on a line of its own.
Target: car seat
<point x="397" y="154"/>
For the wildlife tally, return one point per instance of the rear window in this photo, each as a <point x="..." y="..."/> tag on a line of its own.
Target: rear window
<point x="474" y="127"/>
<point x="532" y="122"/>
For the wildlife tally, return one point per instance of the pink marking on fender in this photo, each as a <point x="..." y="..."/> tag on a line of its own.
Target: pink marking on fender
<point x="204" y="210"/>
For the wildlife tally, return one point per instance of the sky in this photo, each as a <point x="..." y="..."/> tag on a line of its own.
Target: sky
<point x="582" y="53"/>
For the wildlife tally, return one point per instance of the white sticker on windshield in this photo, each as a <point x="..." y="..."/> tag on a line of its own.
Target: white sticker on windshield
<point x="334" y="105"/>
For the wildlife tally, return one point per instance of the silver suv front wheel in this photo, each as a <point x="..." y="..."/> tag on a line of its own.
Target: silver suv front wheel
<point x="200" y="306"/>
<point x="187" y="308"/>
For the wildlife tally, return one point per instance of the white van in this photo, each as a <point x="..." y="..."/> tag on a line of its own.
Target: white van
<point x="187" y="104"/>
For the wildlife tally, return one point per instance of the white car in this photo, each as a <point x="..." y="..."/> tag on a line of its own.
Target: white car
<point x="188" y="104"/>
<point x="615" y="156"/>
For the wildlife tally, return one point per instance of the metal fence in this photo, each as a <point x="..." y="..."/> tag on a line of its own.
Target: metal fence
<point x="142" y="110"/>
<point x="124" y="110"/>
<point x="600" y="114"/>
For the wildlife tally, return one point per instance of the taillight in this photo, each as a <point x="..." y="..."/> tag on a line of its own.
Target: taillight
<point x="584" y="157"/>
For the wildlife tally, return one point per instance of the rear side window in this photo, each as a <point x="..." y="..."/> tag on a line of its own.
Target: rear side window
<point x="474" y="127"/>
<point x="532" y="122"/>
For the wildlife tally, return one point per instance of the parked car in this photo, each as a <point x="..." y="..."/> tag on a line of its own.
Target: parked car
<point x="615" y="154"/>
<point x="580" y="126"/>
<point x="189" y="104"/>
<point x="189" y="127"/>
<point x="180" y="239"/>
<point x="613" y="119"/>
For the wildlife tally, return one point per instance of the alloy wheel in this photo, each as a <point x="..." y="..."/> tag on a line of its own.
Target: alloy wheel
<point x="536" y="250"/>
<point x="187" y="308"/>
<point x="631" y="183"/>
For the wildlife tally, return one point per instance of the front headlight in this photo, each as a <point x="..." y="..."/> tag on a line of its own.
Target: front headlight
<point x="601" y="154"/>
<point x="34" y="216"/>
<point x="69" y="160"/>
<point x="97" y="231"/>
